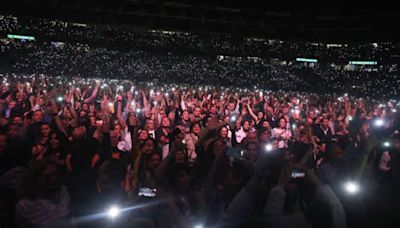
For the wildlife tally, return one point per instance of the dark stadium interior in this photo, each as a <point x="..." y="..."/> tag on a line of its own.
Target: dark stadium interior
<point x="199" y="114"/>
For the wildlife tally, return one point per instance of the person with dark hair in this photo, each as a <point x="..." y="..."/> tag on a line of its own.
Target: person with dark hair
<point x="191" y="140"/>
<point x="163" y="136"/>
<point x="281" y="133"/>
<point x="324" y="132"/>
<point x="33" y="132"/>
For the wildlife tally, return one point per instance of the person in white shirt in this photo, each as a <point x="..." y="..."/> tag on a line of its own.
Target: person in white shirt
<point x="281" y="134"/>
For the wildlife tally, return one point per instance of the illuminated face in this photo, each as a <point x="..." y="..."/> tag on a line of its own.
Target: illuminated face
<point x="117" y="128"/>
<point x="82" y="114"/>
<point x="54" y="142"/>
<point x="162" y="114"/>
<point x="282" y="123"/>
<point x="143" y="135"/>
<point x="150" y="124"/>
<point x="246" y="125"/>
<point x="115" y="136"/>
<point x="231" y="106"/>
<point x="265" y="136"/>
<point x="197" y="112"/>
<point x="266" y="124"/>
<point x="12" y="104"/>
<point x="325" y="123"/>
<point x="37" y="116"/>
<point x="223" y="133"/>
<point x="148" y="147"/>
<point x="260" y="115"/>
<point x="171" y="116"/>
<point x="196" y="129"/>
<point x="85" y="107"/>
<point x="285" y="110"/>
<point x="185" y="115"/>
<point x="40" y="101"/>
<point x="179" y="157"/>
<point x="154" y="161"/>
<point x="92" y="121"/>
<point x="45" y="130"/>
<point x="67" y="114"/>
<point x="166" y="123"/>
<point x="17" y="120"/>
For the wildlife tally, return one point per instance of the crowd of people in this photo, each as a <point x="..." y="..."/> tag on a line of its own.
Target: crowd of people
<point x="105" y="126"/>
<point x="57" y="30"/>
<point x="79" y="152"/>
<point x="78" y="59"/>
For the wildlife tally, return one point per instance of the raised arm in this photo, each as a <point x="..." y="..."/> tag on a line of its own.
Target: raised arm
<point x="252" y="113"/>
<point x="94" y="93"/>
<point x="119" y="114"/>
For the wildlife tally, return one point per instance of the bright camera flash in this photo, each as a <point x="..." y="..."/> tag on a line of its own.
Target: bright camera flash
<point x="60" y="99"/>
<point x="113" y="211"/>
<point x="268" y="147"/>
<point x="198" y="226"/>
<point x="379" y="122"/>
<point x="351" y="187"/>
<point x="386" y="144"/>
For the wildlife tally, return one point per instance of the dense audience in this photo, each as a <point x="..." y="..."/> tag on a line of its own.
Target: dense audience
<point x="184" y="156"/>
<point x="95" y="135"/>
<point x="77" y="59"/>
<point x="55" y="30"/>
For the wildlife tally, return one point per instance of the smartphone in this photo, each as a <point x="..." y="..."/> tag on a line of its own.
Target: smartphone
<point x="147" y="192"/>
<point x="298" y="173"/>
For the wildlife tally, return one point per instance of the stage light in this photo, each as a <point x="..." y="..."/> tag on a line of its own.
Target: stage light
<point x="113" y="212"/>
